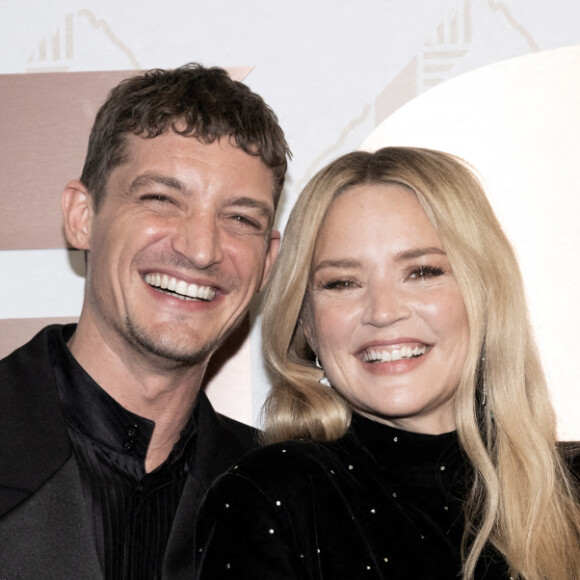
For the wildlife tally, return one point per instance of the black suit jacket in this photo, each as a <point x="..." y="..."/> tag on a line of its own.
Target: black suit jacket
<point x="44" y="532"/>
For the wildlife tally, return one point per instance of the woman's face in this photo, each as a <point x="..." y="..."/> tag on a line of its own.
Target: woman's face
<point x="384" y="311"/>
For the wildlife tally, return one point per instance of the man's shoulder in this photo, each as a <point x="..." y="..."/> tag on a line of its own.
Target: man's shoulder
<point x="27" y="380"/>
<point x="221" y="426"/>
<point x="25" y="372"/>
<point x="32" y="429"/>
<point x="245" y="434"/>
<point x="220" y="441"/>
<point x="26" y="358"/>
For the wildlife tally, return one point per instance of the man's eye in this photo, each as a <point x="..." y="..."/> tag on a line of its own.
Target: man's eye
<point x="245" y="220"/>
<point x="156" y="197"/>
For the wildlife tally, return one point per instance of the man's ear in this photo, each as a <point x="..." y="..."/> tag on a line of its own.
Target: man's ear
<point x="271" y="255"/>
<point x="77" y="211"/>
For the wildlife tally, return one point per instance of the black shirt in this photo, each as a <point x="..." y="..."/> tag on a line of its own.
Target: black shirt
<point x="132" y="511"/>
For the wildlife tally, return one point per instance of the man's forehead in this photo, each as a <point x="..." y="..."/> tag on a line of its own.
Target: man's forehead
<point x="226" y="145"/>
<point x="158" y="157"/>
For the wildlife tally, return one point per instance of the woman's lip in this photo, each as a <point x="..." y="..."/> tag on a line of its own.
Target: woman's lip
<point x="394" y="344"/>
<point x="398" y="367"/>
<point x="382" y="355"/>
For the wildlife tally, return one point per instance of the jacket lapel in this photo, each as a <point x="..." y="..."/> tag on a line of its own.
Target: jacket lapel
<point x="50" y="535"/>
<point x="44" y="530"/>
<point x="35" y="442"/>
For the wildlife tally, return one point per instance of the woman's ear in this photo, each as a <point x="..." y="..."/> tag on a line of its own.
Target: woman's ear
<point x="77" y="211"/>
<point x="305" y="322"/>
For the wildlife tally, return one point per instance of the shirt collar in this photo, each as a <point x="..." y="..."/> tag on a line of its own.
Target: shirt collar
<point x="94" y="413"/>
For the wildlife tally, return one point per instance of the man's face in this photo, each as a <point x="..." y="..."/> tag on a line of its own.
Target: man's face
<point x="180" y="245"/>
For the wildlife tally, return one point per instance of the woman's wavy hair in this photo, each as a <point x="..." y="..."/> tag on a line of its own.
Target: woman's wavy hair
<point x="521" y="497"/>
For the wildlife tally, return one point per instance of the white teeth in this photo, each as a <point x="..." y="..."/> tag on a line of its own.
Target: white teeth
<point x="180" y="287"/>
<point x="404" y="352"/>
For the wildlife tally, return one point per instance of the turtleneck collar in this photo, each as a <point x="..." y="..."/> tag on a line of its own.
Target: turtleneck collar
<point x="415" y="457"/>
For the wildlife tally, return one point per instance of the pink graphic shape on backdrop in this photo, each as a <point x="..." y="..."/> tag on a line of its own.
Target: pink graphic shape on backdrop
<point x="46" y="119"/>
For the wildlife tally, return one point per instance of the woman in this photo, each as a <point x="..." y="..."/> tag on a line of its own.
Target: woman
<point x="420" y="439"/>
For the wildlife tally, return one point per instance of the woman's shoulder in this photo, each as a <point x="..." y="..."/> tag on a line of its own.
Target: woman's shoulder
<point x="292" y="463"/>
<point x="300" y="455"/>
<point x="570" y="453"/>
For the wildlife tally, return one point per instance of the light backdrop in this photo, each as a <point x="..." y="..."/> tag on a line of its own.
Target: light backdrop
<point x="333" y="70"/>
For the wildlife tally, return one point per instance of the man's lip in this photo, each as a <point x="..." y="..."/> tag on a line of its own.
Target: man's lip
<point x="187" y="278"/>
<point x="180" y="285"/>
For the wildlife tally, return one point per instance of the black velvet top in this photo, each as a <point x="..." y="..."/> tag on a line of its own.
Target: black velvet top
<point x="379" y="503"/>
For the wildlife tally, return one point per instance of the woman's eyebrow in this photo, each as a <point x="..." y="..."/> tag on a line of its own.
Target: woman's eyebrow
<point x="335" y="264"/>
<point x="400" y="257"/>
<point x="418" y="253"/>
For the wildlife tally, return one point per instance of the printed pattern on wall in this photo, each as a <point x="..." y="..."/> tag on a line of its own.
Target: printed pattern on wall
<point x="57" y="52"/>
<point x="439" y="59"/>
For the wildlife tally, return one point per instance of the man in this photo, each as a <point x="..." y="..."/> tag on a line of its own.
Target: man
<point x="107" y="442"/>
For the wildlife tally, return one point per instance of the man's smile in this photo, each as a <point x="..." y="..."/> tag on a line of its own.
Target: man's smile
<point x="179" y="288"/>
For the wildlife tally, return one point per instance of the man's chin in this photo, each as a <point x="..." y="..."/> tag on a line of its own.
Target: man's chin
<point x="170" y="348"/>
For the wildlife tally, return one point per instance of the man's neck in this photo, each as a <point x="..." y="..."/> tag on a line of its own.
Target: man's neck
<point x="151" y="388"/>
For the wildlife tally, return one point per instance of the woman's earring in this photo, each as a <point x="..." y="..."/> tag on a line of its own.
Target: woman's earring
<point x="323" y="381"/>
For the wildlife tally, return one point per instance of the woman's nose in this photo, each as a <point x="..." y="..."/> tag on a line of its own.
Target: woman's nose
<point x="385" y="304"/>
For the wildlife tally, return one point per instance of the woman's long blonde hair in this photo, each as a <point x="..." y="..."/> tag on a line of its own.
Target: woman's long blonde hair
<point x="522" y="499"/>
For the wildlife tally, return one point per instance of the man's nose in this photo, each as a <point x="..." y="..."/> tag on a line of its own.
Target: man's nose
<point x="198" y="238"/>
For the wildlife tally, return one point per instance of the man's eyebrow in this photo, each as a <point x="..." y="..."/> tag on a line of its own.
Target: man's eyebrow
<point x="147" y="179"/>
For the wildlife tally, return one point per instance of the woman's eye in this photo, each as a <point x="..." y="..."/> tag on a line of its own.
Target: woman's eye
<point x="424" y="272"/>
<point x="338" y="285"/>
